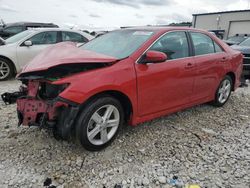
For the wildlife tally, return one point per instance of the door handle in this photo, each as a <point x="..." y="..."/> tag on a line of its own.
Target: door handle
<point x="189" y="66"/>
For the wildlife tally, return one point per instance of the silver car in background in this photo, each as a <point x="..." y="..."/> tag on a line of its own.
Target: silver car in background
<point x="18" y="50"/>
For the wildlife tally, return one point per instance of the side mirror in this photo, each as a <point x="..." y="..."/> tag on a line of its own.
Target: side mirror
<point x="153" y="57"/>
<point x="28" y="43"/>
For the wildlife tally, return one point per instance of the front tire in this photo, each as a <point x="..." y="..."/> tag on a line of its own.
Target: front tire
<point x="6" y="69"/>
<point x="99" y="123"/>
<point x="223" y="92"/>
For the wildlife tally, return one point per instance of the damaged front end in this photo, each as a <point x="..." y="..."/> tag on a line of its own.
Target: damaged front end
<point x="38" y="100"/>
<point x="39" y="104"/>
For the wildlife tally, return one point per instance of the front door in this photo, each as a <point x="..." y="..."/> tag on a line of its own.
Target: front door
<point x="39" y="41"/>
<point x="169" y="84"/>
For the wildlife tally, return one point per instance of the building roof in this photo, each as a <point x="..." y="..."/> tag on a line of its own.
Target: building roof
<point x="224" y="12"/>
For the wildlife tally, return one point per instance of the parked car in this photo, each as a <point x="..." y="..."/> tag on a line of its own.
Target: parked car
<point x="244" y="47"/>
<point x="237" y="39"/>
<point x="129" y="75"/>
<point x="98" y="33"/>
<point x="8" y="30"/>
<point x="23" y="47"/>
<point x="218" y="32"/>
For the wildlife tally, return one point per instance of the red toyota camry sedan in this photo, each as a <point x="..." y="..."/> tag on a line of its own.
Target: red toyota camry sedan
<point x="126" y="76"/>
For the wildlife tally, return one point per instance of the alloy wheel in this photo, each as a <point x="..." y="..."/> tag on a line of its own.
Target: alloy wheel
<point x="224" y="91"/>
<point x="4" y="70"/>
<point x="103" y="124"/>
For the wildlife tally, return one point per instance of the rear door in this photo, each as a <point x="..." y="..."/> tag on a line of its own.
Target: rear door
<point x="210" y="60"/>
<point x="169" y="84"/>
<point x="39" y="41"/>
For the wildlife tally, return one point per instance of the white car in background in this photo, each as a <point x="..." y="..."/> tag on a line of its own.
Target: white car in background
<point x="23" y="47"/>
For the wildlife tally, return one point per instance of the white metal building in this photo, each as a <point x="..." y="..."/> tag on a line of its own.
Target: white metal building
<point x="231" y="22"/>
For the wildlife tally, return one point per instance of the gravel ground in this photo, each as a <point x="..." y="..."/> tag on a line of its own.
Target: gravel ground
<point x="202" y="145"/>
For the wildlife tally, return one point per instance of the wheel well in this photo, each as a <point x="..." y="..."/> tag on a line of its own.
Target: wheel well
<point x="122" y="98"/>
<point x="232" y="76"/>
<point x="9" y="60"/>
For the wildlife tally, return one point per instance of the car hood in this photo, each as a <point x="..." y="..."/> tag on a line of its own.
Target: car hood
<point x="243" y="49"/>
<point x="229" y="42"/>
<point x="65" y="53"/>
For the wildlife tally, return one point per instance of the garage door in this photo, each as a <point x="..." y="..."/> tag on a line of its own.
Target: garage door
<point x="239" y="27"/>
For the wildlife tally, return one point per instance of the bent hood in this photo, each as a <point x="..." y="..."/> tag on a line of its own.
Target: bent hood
<point x="62" y="54"/>
<point x="229" y="42"/>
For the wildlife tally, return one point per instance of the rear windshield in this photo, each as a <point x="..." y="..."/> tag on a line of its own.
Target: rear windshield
<point x="119" y="44"/>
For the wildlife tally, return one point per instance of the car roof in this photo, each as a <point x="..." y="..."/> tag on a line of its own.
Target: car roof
<point x="157" y="28"/>
<point x="36" y="30"/>
<point x="29" y="24"/>
<point x="162" y="29"/>
<point x="52" y="29"/>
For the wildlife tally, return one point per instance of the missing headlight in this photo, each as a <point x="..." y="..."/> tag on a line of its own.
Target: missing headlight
<point x="48" y="91"/>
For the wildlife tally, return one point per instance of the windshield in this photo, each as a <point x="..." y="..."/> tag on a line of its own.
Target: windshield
<point x="18" y="37"/>
<point x="237" y="39"/>
<point x="245" y="43"/>
<point x="119" y="44"/>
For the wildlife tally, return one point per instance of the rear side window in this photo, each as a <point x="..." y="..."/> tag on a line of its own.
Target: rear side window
<point x="74" y="37"/>
<point x="203" y="44"/>
<point x="174" y="45"/>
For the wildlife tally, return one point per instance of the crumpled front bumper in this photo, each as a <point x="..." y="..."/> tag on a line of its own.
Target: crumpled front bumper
<point x="37" y="112"/>
<point x="32" y="109"/>
<point x="39" y="104"/>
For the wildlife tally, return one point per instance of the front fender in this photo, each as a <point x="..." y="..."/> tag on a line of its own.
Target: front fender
<point x="118" y="77"/>
<point x="9" y="52"/>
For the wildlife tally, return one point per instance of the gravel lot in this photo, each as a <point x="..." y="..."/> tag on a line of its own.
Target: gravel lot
<point x="203" y="145"/>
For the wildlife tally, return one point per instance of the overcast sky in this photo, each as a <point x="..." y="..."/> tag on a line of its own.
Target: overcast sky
<point x="111" y="13"/>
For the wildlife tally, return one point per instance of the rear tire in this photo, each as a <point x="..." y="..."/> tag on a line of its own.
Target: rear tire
<point x="99" y="123"/>
<point x="223" y="92"/>
<point x="6" y="69"/>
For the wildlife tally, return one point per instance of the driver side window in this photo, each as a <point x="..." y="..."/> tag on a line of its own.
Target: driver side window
<point x="174" y="45"/>
<point x="44" y="38"/>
